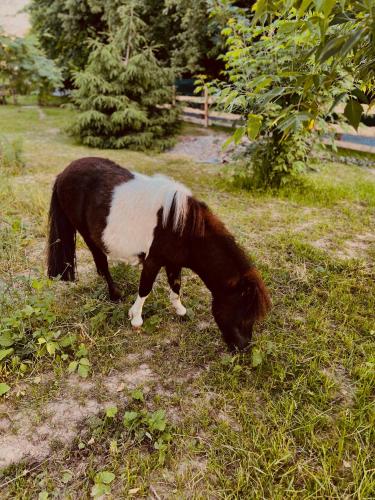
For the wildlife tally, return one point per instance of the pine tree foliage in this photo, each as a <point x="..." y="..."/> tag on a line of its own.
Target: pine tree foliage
<point x="121" y="93"/>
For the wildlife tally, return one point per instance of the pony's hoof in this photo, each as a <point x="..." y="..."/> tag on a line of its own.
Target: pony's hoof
<point x="181" y="310"/>
<point x="115" y="295"/>
<point x="135" y="320"/>
<point x="136" y="323"/>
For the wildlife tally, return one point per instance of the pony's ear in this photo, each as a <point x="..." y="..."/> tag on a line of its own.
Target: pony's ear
<point x="253" y="288"/>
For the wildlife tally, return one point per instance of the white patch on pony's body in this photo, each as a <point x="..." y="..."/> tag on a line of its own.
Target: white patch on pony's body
<point x="133" y="214"/>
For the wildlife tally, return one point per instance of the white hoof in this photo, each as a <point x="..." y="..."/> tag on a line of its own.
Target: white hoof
<point x="136" y="322"/>
<point x="180" y="310"/>
<point x="135" y="318"/>
<point x="176" y="303"/>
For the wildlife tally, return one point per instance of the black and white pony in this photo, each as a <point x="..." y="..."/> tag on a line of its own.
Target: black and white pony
<point x="157" y="222"/>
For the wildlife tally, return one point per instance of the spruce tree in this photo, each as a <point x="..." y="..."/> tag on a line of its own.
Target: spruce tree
<point x="121" y="93"/>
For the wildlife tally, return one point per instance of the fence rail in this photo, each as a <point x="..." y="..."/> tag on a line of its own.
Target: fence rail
<point x="206" y="116"/>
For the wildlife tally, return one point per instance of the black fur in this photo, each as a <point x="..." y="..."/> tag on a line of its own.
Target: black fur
<point x="61" y="259"/>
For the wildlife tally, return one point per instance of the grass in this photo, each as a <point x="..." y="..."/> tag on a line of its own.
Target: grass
<point x="292" y="419"/>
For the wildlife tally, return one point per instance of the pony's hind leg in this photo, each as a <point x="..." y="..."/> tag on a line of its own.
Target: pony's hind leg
<point x="174" y="280"/>
<point x="101" y="263"/>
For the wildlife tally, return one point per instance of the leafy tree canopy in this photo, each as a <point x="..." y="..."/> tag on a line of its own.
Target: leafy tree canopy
<point x="24" y="67"/>
<point x="182" y="32"/>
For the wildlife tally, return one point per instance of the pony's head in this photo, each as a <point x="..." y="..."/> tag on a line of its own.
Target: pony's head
<point x="245" y="301"/>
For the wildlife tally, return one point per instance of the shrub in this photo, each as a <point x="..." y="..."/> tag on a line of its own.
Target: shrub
<point x="123" y="92"/>
<point x="288" y="64"/>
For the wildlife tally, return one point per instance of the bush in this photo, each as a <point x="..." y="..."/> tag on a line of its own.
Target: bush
<point x="270" y="162"/>
<point x="124" y="92"/>
<point x="288" y="65"/>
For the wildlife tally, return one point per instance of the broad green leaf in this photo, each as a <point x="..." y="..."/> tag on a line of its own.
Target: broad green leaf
<point x="37" y="284"/>
<point x="137" y="394"/>
<point x="67" y="476"/>
<point x="28" y="310"/>
<point x="111" y="411"/>
<point x="5" y="352"/>
<point x="239" y="133"/>
<point x="294" y="121"/>
<point x="303" y="8"/>
<point x="331" y="48"/>
<point x="68" y="340"/>
<point x="227" y="142"/>
<point x="273" y="94"/>
<point x="325" y="6"/>
<point x="4" y="388"/>
<point x="82" y="351"/>
<point x="260" y="83"/>
<point x="256" y="358"/>
<point x="99" y="490"/>
<point x="83" y="371"/>
<point x="353" y="112"/>
<point x="84" y="362"/>
<point x="104" y="477"/>
<point x="43" y="495"/>
<point x="157" y="421"/>
<point x="254" y="122"/>
<point x="51" y="347"/>
<point x="351" y="42"/>
<point x="72" y="366"/>
<point x="6" y="339"/>
<point x="130" y="417"/>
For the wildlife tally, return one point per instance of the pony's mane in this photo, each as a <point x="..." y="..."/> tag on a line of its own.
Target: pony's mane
<point x="175" y="199"/>
<point x="227" y="241"/>
<point x="246" y="277"/>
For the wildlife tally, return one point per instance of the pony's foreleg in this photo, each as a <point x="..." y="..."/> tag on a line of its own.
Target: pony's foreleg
<point x="149" y="272"/>
<point x="174" y="280"/>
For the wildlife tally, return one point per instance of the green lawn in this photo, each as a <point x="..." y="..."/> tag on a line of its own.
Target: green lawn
<point x="292" y="419"/>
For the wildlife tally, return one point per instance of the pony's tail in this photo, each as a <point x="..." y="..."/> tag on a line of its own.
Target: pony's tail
<point x="61" y="252"/>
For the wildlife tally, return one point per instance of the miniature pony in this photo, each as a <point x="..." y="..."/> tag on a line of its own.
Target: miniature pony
<point x="157" y="222"/>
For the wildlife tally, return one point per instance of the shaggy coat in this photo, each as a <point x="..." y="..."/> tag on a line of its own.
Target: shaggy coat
<point x="157" y="222"/>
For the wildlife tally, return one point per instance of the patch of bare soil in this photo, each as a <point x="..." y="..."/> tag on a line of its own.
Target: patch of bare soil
<point x="345" y="387"/>
<point x="355" y="248"/>
<point x="30" y="434"/>
<point x="30" y="431"/>
<point x="204" y="148"/>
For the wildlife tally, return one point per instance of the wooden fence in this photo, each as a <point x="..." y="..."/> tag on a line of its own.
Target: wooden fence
<point x="203" y="114"/>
